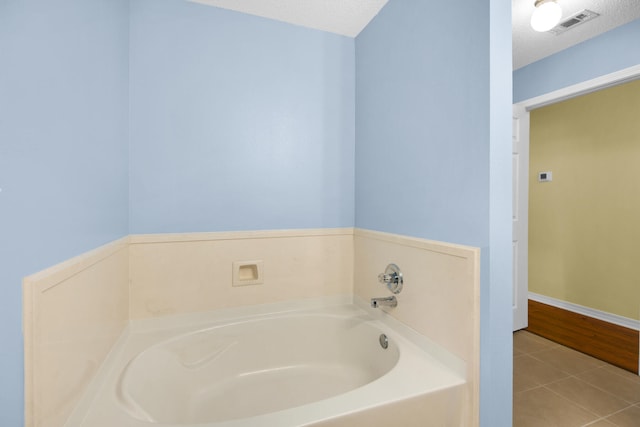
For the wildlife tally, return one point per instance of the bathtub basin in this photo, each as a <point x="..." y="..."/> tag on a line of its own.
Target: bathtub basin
<point x="292" y="368"/>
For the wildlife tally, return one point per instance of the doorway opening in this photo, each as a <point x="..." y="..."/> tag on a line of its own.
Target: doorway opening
<point x="556" y="316"/>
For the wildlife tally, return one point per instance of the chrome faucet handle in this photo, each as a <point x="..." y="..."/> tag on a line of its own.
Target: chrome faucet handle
<point x="392" y="277"/>
<point x="386" y="278"/>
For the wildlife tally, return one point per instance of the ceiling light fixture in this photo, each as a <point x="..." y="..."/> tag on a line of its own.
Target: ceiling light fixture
<point x="546" y="15"/>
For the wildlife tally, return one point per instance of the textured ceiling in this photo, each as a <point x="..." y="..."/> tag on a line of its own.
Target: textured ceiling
<point x="530" y="46"/>
<point x="349" y="17"/>
<point x="346" y="17"/>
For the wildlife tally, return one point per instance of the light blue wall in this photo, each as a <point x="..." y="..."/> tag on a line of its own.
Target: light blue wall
<point x="422" y="122"/>
<point x="612" y="51"/>
<point x="432" y="118"/>
<point x="63" y="150"/>
<point x="496" y="298"/>
<point x="238" y="122"/>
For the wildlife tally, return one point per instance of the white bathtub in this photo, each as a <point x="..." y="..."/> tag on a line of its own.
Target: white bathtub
<point x="288" y="368"/>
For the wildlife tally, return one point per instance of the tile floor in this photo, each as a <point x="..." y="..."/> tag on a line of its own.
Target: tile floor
<point x="556" y="386"/>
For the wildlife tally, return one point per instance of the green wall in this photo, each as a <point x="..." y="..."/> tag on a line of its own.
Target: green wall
<point x="584" y="226"/>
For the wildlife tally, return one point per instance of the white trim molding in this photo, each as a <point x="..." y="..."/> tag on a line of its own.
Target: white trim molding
<point x="587" y="311"/>
<point x="583" y="88"/>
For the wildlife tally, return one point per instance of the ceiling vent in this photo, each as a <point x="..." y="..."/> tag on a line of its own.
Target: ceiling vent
<point x="573" y="21"/>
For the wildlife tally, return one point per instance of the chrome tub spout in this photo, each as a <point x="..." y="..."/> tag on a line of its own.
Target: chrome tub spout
<point x="385" y="302"/>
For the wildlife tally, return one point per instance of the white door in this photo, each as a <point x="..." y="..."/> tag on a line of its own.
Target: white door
<point x="520" y="215"/>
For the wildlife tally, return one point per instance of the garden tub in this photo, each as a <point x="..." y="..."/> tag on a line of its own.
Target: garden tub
<point x="291" y="367"/>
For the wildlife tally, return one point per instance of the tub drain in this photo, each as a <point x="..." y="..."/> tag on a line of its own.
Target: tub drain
<point x="384" y="341"/>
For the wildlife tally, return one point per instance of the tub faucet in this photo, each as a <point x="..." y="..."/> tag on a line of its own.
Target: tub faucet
<point x="385" y="302"/>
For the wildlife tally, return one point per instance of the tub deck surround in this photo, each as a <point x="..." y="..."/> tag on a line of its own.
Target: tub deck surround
<point x="312" y="339"/>
<point x="440" y="298"/>
<point x="183" y="273"/>
<point x="73" y="314"/>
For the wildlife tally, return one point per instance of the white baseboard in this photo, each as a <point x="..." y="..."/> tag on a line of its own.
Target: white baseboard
<point x="586" y="311"/>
